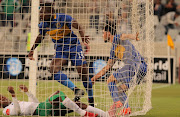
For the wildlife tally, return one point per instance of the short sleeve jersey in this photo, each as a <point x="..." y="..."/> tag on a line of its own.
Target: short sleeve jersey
<point x="125" y="51"/>
<point x="59" y="29"/>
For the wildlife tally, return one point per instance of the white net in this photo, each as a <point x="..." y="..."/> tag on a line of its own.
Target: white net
<point x="125" y="87"/>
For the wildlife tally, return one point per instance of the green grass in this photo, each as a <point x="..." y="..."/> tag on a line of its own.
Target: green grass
<point x="165" y="98"/>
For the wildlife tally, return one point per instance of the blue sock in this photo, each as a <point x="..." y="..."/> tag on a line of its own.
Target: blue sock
<point x="123" y="98"/>
<point x="89" y="89"/>
<point x="116" y="95"/>
<point x="114" y="91"/>
<point x="62" y="78"/>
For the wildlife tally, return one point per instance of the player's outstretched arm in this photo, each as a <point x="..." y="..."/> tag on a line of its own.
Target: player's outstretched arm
<point x="103" y="71"/>
<point x="76" y="25"/>
<point x="30" y="95"/>
<point x="16" y="110"/>
<point x="36" y="43"/>
<point x="130" y="36"/>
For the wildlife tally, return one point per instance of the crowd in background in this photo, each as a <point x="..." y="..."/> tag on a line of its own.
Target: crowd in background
<point x="167" y="14"/>
<point x="9" y="7"/>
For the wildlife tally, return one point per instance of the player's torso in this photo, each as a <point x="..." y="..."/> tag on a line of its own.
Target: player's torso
<point x="59" y="30"/>
<point x="125" y="51"/>
<point x="26" y="108"/>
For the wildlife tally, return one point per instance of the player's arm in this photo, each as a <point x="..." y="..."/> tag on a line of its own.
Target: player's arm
<point x="16" y="110"/>
<point x="104" y="70"/>
<point x="30" y="95"/>
<point x="36" y="43"/>
<point x="76" y="25"/>
<point x="130" y="36"/>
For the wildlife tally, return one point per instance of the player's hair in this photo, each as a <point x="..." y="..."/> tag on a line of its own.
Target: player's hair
<point x="110" y="27"/>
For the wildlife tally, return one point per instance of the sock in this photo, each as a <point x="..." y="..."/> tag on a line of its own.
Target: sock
<point x="100" y="112"/>
<point x="68" y="103"/>
<point x="123" y="97"/>
<point x="62" y="78"/>
<point x="114" y="91"/>
<point x="89" y="89"/>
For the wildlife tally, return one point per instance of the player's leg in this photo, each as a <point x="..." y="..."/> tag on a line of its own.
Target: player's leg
<point x="92" y="109"/>
<point x="78" y="59"/>
<point x="83" y="73"/>
<point x="55" y="69"/>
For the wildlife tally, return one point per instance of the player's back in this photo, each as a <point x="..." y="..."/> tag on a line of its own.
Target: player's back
<point x="125" y="51"/>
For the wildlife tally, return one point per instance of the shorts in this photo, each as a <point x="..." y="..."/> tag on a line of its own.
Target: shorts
<point x="74" y="53"/>
<point x="45" y="108"/>
<point x="127" y="72"/>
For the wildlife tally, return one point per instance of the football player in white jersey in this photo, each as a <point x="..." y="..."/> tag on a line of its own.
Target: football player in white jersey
<point x="56" y="105"/>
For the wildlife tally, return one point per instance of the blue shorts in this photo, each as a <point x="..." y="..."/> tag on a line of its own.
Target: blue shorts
<point x="127" y="72"/>
<point x="74" y="53"/>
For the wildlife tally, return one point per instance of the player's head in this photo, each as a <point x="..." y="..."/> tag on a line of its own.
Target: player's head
<point x="109" y="32"/>
<point x="4" y="101"/>
<point x="46" y="11"/>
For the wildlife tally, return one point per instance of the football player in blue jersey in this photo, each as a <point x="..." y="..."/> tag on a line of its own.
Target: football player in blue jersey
<point x="67" y="46"/>
<point x="134" y="65"/>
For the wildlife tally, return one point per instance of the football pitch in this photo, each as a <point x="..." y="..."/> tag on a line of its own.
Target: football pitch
<point x="165" y="98"/>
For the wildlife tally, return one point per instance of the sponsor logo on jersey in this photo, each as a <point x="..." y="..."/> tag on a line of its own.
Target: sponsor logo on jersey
<point x="59" y="33"/>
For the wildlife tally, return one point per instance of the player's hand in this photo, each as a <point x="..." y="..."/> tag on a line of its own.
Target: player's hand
<point x="92" y="80"/>
<point x="137" y="36"/>
<point x="11" y="90"/>
<point x="85" y="39"/>
<point x="23" y="88"/>
<point x="30" y="55"/>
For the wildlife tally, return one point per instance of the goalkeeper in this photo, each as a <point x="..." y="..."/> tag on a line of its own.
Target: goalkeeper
<point x="121" y="80"/>
<point x="56" y="103"/>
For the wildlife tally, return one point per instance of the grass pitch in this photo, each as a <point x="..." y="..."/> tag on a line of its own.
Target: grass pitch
<point x="165" y="98"/>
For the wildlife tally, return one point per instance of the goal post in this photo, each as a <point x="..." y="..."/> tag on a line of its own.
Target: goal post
<point x="34" y="34"/>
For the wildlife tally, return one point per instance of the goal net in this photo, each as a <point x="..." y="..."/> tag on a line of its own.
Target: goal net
<point x="62" y="34"/>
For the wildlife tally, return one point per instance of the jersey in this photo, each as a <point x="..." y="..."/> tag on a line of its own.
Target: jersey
<point x="66" y="43"/>
<point x="134" y="63"/>
<point x="60" y="31"/>
<point x="26" y="108"/>
<point x="125" y="51"/>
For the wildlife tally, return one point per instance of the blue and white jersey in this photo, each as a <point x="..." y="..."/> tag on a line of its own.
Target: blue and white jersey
<point x="125" y="51"/>
<point x="60" y="31"/>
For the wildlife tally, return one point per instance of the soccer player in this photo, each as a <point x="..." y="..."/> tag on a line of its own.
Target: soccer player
<point x="118" y="82"/>
<point x="67" y="46"/>
<point x="57" y="101"/>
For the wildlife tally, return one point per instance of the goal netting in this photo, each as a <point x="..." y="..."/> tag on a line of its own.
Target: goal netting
<point x="19" y="29"/>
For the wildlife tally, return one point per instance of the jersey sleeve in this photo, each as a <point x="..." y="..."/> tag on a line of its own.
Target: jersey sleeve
<point x="32" y="97"/>
<point x="42" y="29"/>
